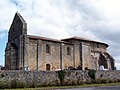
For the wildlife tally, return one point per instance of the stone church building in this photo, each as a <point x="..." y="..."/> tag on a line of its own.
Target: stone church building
<point x="41" y="53"/>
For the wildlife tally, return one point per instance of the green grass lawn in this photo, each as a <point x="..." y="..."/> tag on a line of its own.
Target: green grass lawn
<point x="63" y="87"/>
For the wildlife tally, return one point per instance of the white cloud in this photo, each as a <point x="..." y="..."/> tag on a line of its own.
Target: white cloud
<point x="111" y="7"/>
<point x="117" y="66"/>
<point x="7" y="11"/>
<point x="95" y="19"/>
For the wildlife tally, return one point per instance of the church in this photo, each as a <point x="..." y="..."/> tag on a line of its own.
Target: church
<point x="41" y="53"/>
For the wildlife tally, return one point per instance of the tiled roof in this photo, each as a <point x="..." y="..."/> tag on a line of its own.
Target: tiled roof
<point x="65" y="40"/>
<point x="84" y="39"/>
<point x="47" y="39"/>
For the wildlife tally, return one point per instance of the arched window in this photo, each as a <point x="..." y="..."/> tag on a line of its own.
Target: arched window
<point x="47" y="48"/>
<point x="97" y="45"/>
<point x="68" y="51"/>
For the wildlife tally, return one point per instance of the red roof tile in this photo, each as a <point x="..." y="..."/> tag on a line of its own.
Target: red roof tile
<point x="47" y="39"/>
<point x="84" y="39"/>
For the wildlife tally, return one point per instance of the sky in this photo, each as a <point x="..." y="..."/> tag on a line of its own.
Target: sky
<point x="93" y="19"/>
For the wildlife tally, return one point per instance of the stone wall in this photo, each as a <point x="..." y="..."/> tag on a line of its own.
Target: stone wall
<point x="32" y="55"/>
<point x="52" y="57"/>
<point x="52" y="78"/>
<point x="108" y="74"/>
<point x="28" y="78"/>
<point x="16" y="78"/>
<point x="67" y="59"/>
<point x="41" y="78"/>
<point x="57" y="57"/>
<point x="86" y="56"/>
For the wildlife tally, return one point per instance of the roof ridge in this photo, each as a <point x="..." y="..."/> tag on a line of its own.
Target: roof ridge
<point x="49" y="39"/>
<point x="84" y="39"/>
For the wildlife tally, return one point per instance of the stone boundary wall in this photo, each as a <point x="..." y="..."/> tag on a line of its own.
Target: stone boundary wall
<point x="14" y="78"/>
<point x="108" y="74"/>
<point x="29" y="78"/>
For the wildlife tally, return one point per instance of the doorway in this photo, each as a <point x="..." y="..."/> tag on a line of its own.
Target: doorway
<point x="48" y="67"/>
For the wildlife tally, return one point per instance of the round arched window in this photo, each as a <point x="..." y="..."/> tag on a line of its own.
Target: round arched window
<point x="68" y="51"/>
<point x="47" y="48"/>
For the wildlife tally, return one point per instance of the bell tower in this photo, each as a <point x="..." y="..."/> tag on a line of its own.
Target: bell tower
<point x="18" y="27"/>
<point x="15" y="48"/>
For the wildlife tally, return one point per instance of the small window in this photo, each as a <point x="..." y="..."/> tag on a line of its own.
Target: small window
<point x="68" y="51"/>
<point x="48" y="67"/>
<point x="47" y="48"/>
<point x="97" y="45"/>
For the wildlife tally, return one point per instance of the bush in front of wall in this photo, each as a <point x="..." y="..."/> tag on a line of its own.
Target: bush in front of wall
<point x="17" y="84"/>
<point x="61" y="74"/>
<point x="14" y="84"/>
<point x="118" y="80"/>
<point x="4" y="84"/>
<point x="92" y="73"/>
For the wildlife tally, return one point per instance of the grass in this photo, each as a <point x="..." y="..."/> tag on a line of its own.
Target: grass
<point x="65" y="87"/>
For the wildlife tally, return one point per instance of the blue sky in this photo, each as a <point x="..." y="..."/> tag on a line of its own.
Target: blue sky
<point x="3" y="40"/>
<point x="93" y="19"/>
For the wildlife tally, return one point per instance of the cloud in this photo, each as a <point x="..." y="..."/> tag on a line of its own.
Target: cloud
<point x="95" y="19"/>
<point x="7" y="11"/>
<point x="117" y="66"/>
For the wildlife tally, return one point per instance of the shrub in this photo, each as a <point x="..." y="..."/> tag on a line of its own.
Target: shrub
<point x="61" y="75"/>
<point x="115" y="81"/>
<point x="20" y="85"/>
<point x="2" y="75"/>
<point x="92" y="73"/>
<point x="93" y="81"/>
<point x="109" y="81"/>
<point x="118" y="80"/>
<point x="98" y="81"/>
<point x="14" y="84"/>
<point x="4" y="84"/>
<point x="103" y="81"/>
<point x="17" y="84"/>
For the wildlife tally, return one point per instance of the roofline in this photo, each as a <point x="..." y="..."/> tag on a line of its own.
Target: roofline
<point x="48" y="39"/>
<point x="85" y="40"/>
<point x="20" y="17"/>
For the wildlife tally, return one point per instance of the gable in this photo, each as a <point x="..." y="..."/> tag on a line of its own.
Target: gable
<point x="18" y="27"/>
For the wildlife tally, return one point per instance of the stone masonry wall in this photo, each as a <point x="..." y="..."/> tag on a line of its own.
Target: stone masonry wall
<point x="29" y="78"/>
<point x="52" y="78"/>
<point x="52" y="58"/>
<point x="108" y="74"/>
<point x="42" y="78"/>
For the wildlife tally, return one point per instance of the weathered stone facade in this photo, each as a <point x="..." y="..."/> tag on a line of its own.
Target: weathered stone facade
<point x="40" y="53"/>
